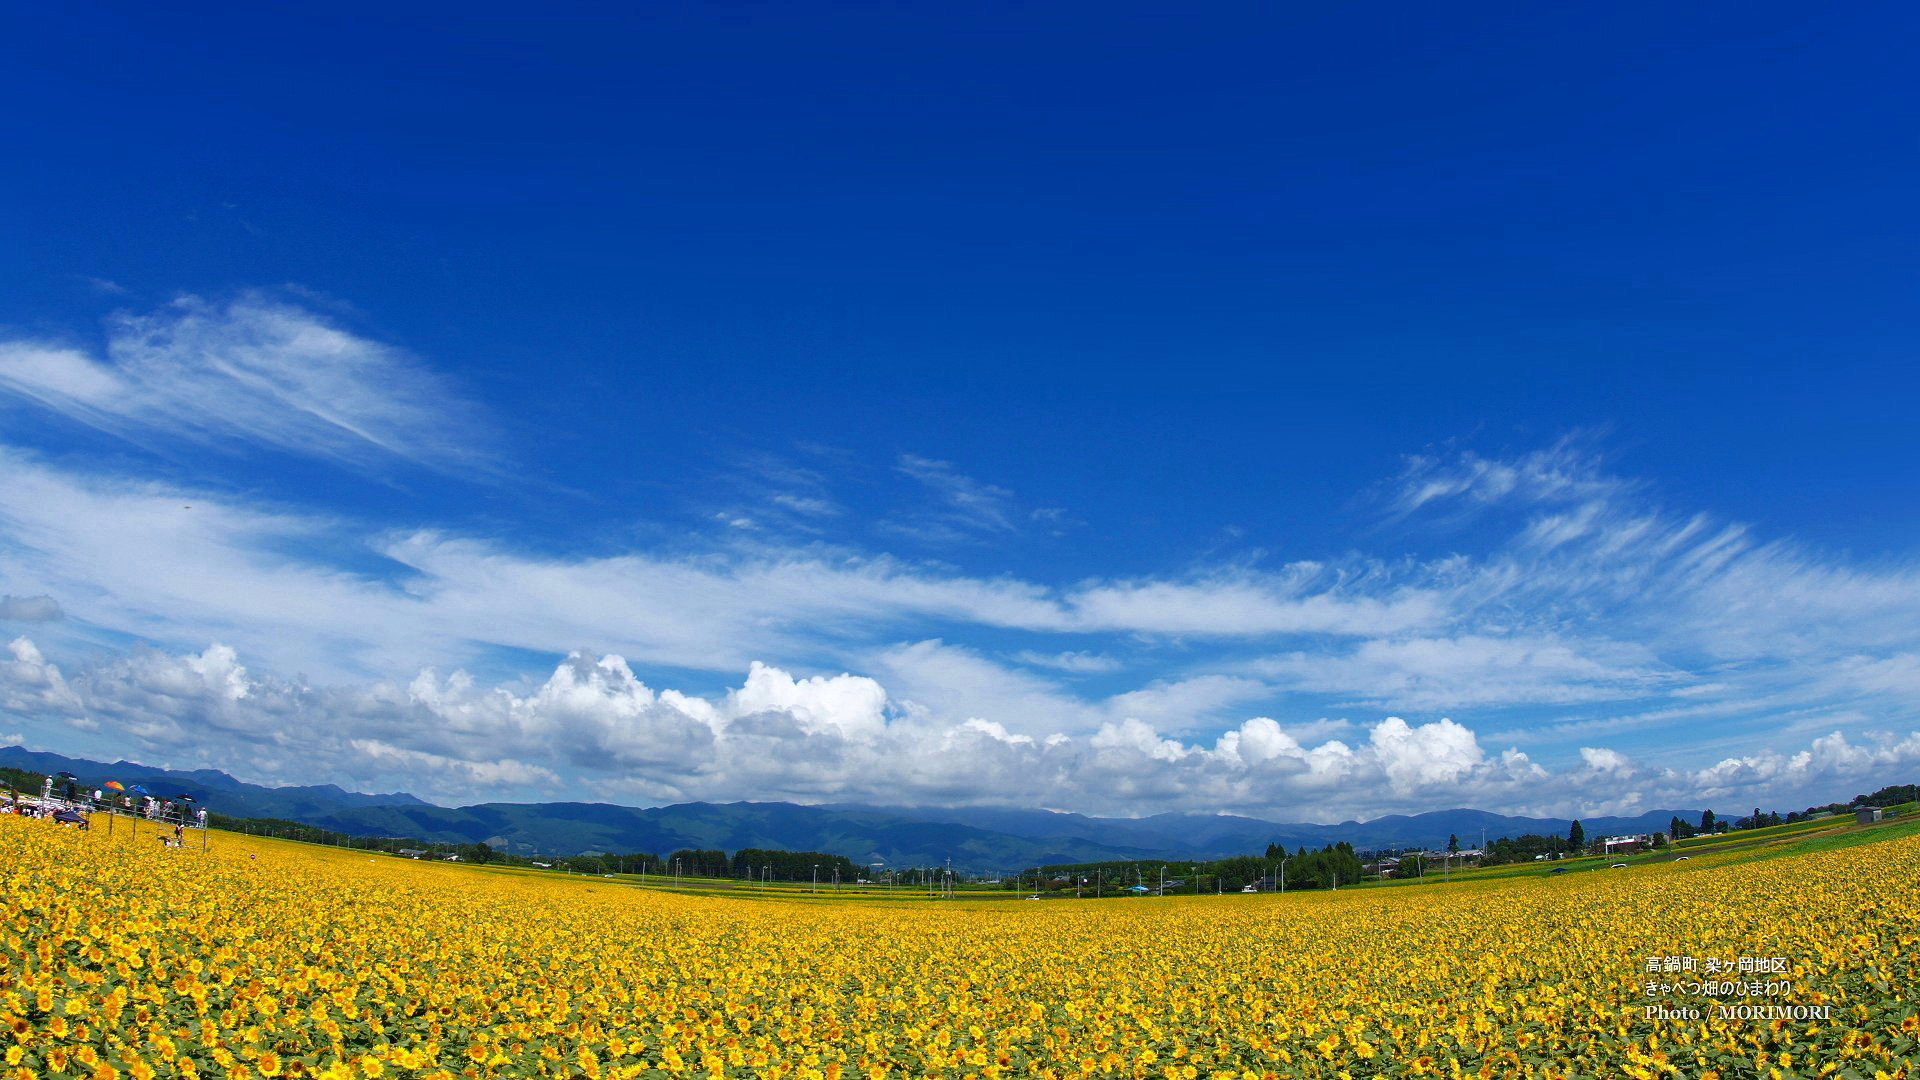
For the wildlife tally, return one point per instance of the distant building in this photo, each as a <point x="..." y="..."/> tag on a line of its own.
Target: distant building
<point x="1867" y="815"/>
<point x="1621" y="845"/>
<point x="410" y="853"/>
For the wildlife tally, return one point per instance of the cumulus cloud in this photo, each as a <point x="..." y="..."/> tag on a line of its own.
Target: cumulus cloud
<point x="253" y="371"/>
<point x="1433" y="754"/>
<point x="1594" y="615"/>
<point x="31" y="686"/>
<point x="1602" y="760"/>
<point x="591" y="723"/>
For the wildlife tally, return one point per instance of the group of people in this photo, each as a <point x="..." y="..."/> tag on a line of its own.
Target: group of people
<point x="72" y="813"/>
<point x="163" y="810"/>
<point x="57" y="814"/>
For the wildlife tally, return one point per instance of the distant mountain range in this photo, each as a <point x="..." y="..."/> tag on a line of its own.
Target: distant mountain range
<point x="216" y="789"/>
<point x="973" y="838"/>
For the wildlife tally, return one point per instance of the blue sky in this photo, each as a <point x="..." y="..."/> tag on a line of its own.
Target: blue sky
<point x="1298" y="412"/>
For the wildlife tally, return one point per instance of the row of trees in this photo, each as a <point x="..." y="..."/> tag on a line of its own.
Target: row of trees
<point x="689" y="862"/>
<point x="764" y="863"/>
<point x="759" y="864"/>
<point x="1302" y="869"/>
<point x="1527" y="847"/>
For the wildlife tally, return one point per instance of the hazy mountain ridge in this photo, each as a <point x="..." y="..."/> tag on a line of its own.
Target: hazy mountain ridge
<point x="982" y="838"/>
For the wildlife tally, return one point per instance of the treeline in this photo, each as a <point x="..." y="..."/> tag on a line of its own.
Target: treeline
<point x="758" y="864"/>
<point x="791" y="866"/>
<point x="1335" y="864"/>
<point x="761" y="864"/>
<point x="1893" y="795"/>
<point x="1522" y="848"/>
<point x="22" y="781"/>
<point x="1330" y="866"/>
<point x="391" y="845"/>
<point x="1505" y="850"/>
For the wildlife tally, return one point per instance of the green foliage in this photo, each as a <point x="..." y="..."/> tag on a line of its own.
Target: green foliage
<point x="691" y="862"/>
<point x="760" y="863"/>
<point x="1522" y="849"/>
<point x="1304" y="870"/>
<point x="22" y="781"/>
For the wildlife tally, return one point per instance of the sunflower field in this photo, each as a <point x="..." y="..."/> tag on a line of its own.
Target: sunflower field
<point x="262" y="958"/>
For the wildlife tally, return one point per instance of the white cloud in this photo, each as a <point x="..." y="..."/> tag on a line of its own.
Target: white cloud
<point x="1603" y="760"/>
<point x="1303" y="599"/>
<point x="1595" y="612"/>
<point x="841" y="738"/>
<point x="1187" y="703"/>
<point x="1078" y="662"/>
<point x="30" y="686"/>
<point x="1433" y="754"/>
<point x="1566" y="473"/>
<point x="807" y="505"/>
<point x="956" y="508"/>
<point x="250" y="372"/>
<point x="176" y="565"/>
<point x="970" y="501"/>
<point x="475" y="776"/>
<point x="852" y="706"/>
<point x="957" y="683"/>
<point x="30" y="608"/>
<point x="1474" y="670"/>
